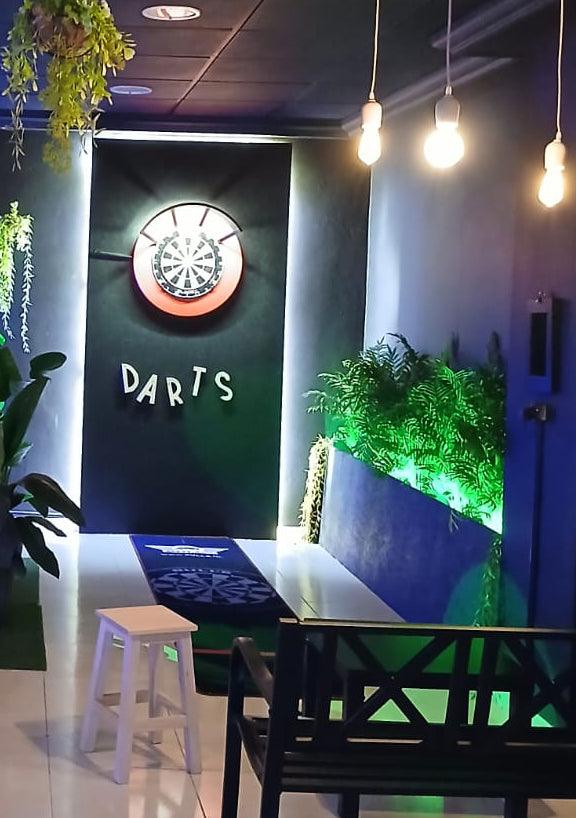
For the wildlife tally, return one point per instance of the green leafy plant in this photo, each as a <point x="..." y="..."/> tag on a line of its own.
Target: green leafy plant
<point x="16" y="235"/>
<point x="83" y="44"/>
<point x="18" y="402"/>
<point x="424" y="421"/>
<point x="311" y="510"/>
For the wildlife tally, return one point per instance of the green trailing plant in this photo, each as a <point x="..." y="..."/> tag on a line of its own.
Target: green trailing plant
<point x="424" y="421"/>
<point x="488" y="613"/>
<point x="18" y="402"/>
<point x="16" y="231"/>
<point x="82" y="44"/>
<point x="311" y="509"/>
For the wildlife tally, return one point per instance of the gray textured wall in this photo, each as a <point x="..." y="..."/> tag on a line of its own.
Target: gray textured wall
<point x="325" y="292"/>
<point x="59" y="204"/>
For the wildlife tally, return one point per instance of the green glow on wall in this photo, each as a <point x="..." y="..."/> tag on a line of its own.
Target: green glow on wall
<point x="424" y="421"/>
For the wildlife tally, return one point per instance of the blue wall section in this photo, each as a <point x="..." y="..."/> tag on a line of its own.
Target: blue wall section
<point x="399" y="543"/>
<point x="464" y="252"/>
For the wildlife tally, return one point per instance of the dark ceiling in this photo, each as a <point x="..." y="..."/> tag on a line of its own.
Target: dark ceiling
<point x="279" y="61"/>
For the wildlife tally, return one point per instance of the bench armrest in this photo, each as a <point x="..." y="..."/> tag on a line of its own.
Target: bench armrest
<point x="255" y="665"/>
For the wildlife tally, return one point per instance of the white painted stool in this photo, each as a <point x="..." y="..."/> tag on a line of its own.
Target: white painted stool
<point x="156" y="626"/>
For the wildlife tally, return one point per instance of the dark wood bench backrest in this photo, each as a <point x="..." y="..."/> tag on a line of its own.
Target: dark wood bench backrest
<point x="370" y="666"/>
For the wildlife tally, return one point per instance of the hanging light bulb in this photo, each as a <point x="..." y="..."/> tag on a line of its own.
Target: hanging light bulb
<point x="444" y="147"/>
<point x="552" y="187"/>
<point x="370" y="145"/>
<point x="551" y="190"/>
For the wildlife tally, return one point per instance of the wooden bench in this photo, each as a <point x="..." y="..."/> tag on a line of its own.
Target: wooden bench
<point x="326" y="731"/>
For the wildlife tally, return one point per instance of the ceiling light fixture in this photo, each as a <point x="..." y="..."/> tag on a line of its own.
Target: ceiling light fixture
<point x="370" y="145"/>
<point x="171" y="14"/>
<point x="444" y="147"/>
<point x="131" y="90"/>
<point x="551" y="190"/>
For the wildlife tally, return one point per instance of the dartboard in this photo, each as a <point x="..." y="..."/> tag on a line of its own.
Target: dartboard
<point x="188" y="259"/>
<point x="211" y="586"/>
<point x="187" y="266"/>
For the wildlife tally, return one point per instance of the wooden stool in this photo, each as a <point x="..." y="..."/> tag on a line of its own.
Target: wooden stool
<point x="157" y="626"/>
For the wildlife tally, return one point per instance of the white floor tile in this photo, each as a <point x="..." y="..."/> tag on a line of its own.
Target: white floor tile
<point x="44" y="775"/>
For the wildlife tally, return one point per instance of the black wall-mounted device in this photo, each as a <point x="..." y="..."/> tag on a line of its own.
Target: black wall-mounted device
<point x="543" y="343"/>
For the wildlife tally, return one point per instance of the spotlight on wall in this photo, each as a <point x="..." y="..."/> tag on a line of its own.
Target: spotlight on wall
<point x="444" y="147"/>
<point x="370" y="145"/>
<point x="552" y="187"/>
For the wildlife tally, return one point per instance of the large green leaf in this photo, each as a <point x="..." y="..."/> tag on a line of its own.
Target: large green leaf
<point x="9" y="373"/>
<point x="19" y="414"/>
<point x="47" y="491"/>
<point x="36" y="546"/>
<point x="46" y="362"/>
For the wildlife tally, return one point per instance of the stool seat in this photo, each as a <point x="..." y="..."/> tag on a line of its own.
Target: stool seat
<point x="146" y="620"/>
<point x="153" y="626"/>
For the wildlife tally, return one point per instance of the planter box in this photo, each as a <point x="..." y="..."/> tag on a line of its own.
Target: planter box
<point x="397" y="541"/>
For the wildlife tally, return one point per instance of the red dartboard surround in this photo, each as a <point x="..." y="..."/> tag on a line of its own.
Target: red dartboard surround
<point x="188" y="259"/>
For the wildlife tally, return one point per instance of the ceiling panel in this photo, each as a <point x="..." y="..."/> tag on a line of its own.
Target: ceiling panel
<point x="169" y="68"/>
<point x="247" y="91"/>
<point x="197" y="109"/>
<point x="179" y="42"/>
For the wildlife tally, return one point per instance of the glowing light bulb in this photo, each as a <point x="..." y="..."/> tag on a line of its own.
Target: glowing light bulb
<point x="552" y="187"/>
<point x="444" y="147"/>
<point x="370" y="145"/>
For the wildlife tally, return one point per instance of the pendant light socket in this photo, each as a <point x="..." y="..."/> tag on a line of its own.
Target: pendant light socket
<point x="372" y="115"/>
<point x="447" y="111"/>
<point x="555" y="155"/>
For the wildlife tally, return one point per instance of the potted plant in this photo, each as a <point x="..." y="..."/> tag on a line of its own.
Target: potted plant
<point x="82" y="44"/>
<point x="18" y="402"/>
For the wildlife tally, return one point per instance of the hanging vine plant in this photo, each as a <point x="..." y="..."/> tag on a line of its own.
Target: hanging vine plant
<point x="16" y="236"/>
<point x="82" y="44"/>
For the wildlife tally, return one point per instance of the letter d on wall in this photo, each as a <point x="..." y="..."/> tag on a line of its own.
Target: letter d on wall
<point x="130" y="379"/>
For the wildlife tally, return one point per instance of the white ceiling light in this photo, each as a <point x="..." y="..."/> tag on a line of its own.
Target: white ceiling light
<point x="552" y="186"/>
<point x="370" y="145"/>
<point x="171" y="14"/>
<point x="444" y="147"/>
<point x="131" y="90"/>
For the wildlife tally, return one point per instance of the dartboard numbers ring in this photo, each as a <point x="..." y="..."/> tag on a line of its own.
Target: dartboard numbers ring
<point x="188" y="259"/>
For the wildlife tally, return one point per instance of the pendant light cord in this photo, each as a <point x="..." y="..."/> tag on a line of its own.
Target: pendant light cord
<point x="375" y="53"/>
<point x="449" y="49"/>
<point x="560" y="56"/>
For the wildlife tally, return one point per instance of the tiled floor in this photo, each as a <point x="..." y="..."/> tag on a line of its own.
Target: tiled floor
<point x="44" y="775"/>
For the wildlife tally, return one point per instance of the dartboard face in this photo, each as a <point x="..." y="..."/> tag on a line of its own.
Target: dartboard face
<point x="188" y="259"/>
<point x="211" y="587"/>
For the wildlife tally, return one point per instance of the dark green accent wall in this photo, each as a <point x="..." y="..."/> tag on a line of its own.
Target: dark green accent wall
<point x="209" y="466"/>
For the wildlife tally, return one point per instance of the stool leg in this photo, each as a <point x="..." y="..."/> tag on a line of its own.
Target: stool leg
<point x="154" y="653"/>
<point x="127" y="711"/>
<point x="96" y="688"/>
<point x="189" y="704"/>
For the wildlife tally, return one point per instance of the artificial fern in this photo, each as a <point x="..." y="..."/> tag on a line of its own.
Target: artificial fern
<point x="424" y="421"/>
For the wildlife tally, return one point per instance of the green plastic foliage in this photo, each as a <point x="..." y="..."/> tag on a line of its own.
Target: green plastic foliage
<point x="83" y="45"/>
<point x="311" y="510"/>
<point x="16" y="231"/>
<point x="422" y="420"/>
